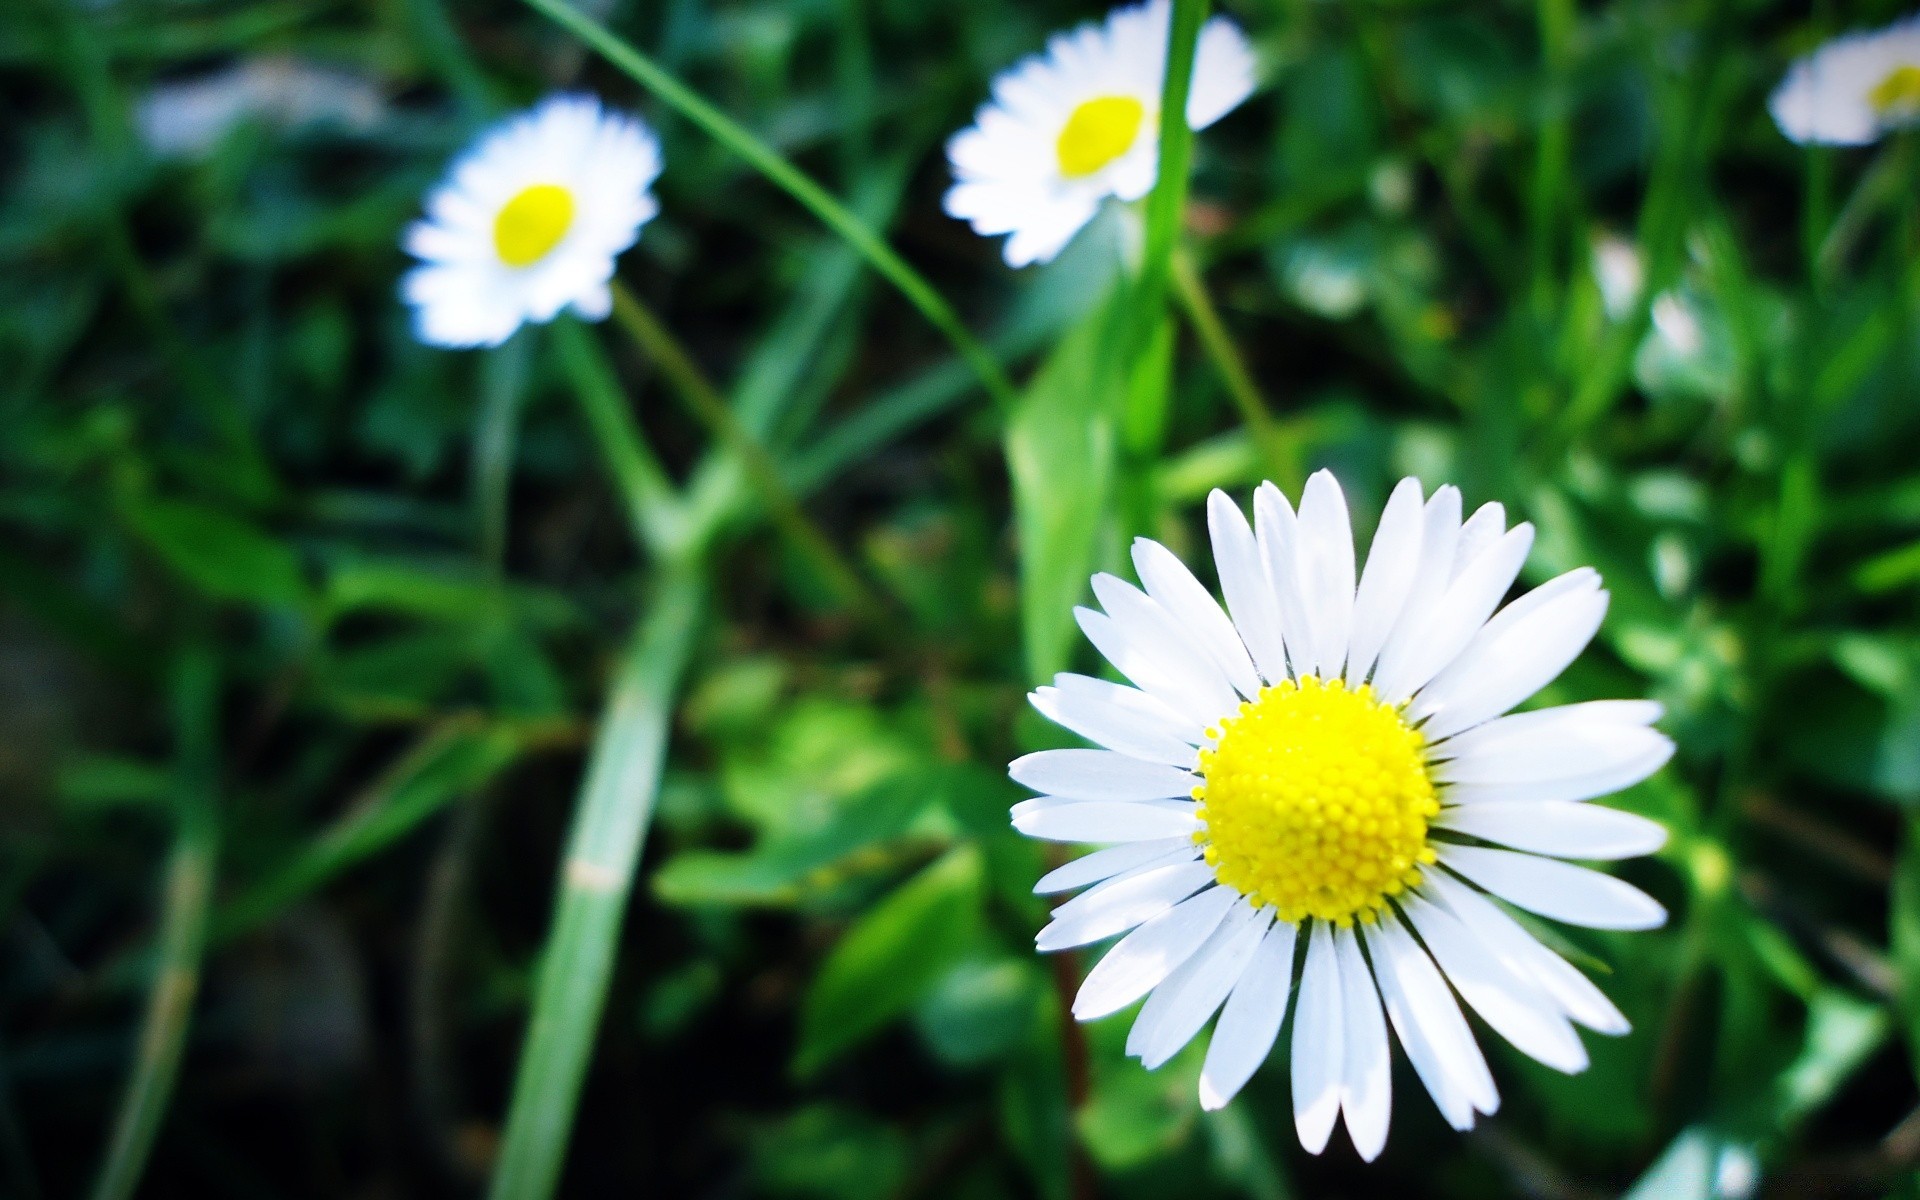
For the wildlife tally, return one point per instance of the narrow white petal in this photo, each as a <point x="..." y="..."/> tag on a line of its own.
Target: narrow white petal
<point x="1477" y="533"/>
<point x="1275" y="530"/>
<point x="1325" y="556"/>
<point x="1319" y="1050"/>
<point x="1576" y="895"/>
<point x="1251" y="1019"/>
<point x="1180" y="1006"/>
<point x="1557" y="827"/>
<point x="1104" y="821"/>
<point x="1451" y="624"/>
<point x="1583" y="581"/>
<point x="1431" y="1027"/>
<point x="1149" y="664"/>
<point x="1439" y="534"/>
<point x="1573" y="992"/>
<point x="1118" y="728"/>
<point x="1099" y="775"/>
<point x="1243" y="580"/>
<point x="1175" y="589"/>
<point x="1366" y="1090"/>
<point x="1150" y="953"/>
<point x="1482" y="684"/>
<point x="1510" y="1002"/>
<point x="1568" y="787"/>
<point x="1391" y="563"/>
<point x="1102" y="865"/>
<point x="1573" y="748"/>
<point x="1543" y="724"/>
<point x="1121" y="903"/>
<point x="1087" y="689"/>
<point x="1174" y="652"/>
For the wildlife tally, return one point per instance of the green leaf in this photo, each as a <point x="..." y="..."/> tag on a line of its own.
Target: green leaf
<point x="221" y="554"/>
<point x="892" y="958"/>
<point x="981" y="1010"/>
<point x="1060" y="452"/>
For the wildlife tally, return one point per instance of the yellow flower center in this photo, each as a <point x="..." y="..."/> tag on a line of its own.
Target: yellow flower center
<point x="1899" y="92"/>
<point x="1316" y="801"/>
<point x="1099" y="131"/>
<point x="532" y="224"/>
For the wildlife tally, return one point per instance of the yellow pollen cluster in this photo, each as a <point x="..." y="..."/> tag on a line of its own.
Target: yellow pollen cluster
<point x="532" y="223"/>
<point x="1316" y="801"/>
<point x="1099" y="131"/>
<point x="1899" y="92"/>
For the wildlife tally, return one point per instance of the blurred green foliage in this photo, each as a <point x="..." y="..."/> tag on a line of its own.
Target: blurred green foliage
<point x="397" y="581"/>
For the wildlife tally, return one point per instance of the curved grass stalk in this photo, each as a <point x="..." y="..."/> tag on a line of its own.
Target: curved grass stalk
<point x="616" y="806"/>
<point x="795" y="182"/>
<point x="1168" y="200"/>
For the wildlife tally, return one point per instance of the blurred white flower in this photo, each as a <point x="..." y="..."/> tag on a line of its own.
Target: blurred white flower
<point x="1853" y="89"/>
<point x="1070" y="127"/>
<point x="1618" y="271"/>
<point x="530" y="221"/>
<point x="1678" y="325"/>
<point x="187" y="118"/>
<point x="1330" y="765"/>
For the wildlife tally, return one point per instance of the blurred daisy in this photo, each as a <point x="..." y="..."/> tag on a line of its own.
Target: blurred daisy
<point x="1327" y="774"/>
<point x="1068" y="128"/>
<point x="529" y="221"/>
<point x="1853" y="89"/>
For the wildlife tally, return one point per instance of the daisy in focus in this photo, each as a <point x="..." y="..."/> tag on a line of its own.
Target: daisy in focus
<point x="1854" y="89"/>
<point x="1070" y="127"/>
<point x="1325" y="771"/>
<point x="529" y="221"/>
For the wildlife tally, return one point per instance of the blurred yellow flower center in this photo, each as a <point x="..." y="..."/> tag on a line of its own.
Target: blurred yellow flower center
<point x="532" y="223"/>
<point x="1898" y="92"/>
<point x="1099" y="131"/>
<point x="1316" y="801"/>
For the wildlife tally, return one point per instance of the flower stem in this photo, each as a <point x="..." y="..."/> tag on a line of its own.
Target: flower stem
<point x="610" y="825"/>
<point x="704" y="399"/>
<point x="790" y="179"/>
<point x="1169" y="196"/>
<point x="657" y="516"/>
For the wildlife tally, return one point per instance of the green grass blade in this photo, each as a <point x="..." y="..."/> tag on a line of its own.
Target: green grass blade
<point x="616" y="806"/>
<point x="1168" y="200"/>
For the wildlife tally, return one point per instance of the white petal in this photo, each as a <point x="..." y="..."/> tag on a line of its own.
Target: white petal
<point x="1325" y="556"/>
<point x="1528" y="656"/>
<point x="1555" y="889"/>
<point x="1510" y="1002"/>
<point x="1154" y="667"/>
<point x="1275" y="530"/>
<point x="1439" y="534"/>
<point x="1569" y="787"/>
<point x="1251" y="1019"/>
<point x="1104" y="821"/>
<point x="1118" y="727"/>
<point x="1557" y="827"/>
<point x="1180" y="1006"/>
<point x="1102" y="865"/>
<point x="1119" y="904"/>
<point x="1136" y="703"/>
<point x="1573" y="992"/>
<point x="1602" y="717"/>
<point x="1175" y="651"/>
<point x="1150" y="953"/>
<point x="1450" y="625"/>
<point x="1366" y="1091"/>
<point x="1436" y="1036"/>
<point x="1477" y="533"/>
<point x="1571" y="748"/>
<point x="1243" y="580"/>
<point x="1176" y="590"/>
<point x="1391" y="563"/>
<point x="1099" y="775"/>
<point x="1319" y="1051"/>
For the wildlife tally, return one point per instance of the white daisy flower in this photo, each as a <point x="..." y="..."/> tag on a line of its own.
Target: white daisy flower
<point x="1323" y="772"/>
<point x="1068" y="128"/>
<point x="1853" y="89"/>
<point x="529" y="222"/>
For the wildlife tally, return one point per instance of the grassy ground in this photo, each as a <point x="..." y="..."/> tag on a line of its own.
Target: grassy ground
<point x="306" y="630"/>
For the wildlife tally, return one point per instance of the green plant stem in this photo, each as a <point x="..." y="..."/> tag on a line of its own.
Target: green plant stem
<point x="651" y="506"/>
<point x="503" y="381"/>
<point x="186" y="898"/>
<point x="790" y="179"/>
<point x="1168" y="200"/>
<point x="616" y="805"/>
<point x="1266" y="433"/>
<point x="703" y="398"/>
